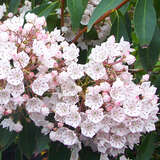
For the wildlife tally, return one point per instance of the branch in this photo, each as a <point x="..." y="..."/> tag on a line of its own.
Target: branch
<point x="62" y="13"/>
<point x="99" y="20"/>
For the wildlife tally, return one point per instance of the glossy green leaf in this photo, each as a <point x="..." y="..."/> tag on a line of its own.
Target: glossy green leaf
<point x="149" y="56"/>
<point x="124" y="8"/>
<point x="13" y="6"/>
<point x="119" y="28"/>
<point x="27" y="139"/>
<point x="6" y="138"/>
<point x="58" y="151"/>
<point x="146" y="149"/>
<point x="144" y="21"/>
<point x="103" y="7"/>
<point x="76" y="10"/>
<point x="45" y="9"/>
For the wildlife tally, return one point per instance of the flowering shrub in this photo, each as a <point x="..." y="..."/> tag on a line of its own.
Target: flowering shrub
<point x="98" y="103"/>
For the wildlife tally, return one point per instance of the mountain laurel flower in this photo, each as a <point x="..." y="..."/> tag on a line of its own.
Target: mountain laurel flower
<point x="97" y="103"/>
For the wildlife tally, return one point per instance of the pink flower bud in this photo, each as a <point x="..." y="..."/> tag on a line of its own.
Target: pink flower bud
<point x="27" y="49"/>
<point x="31" y="75"/>
<point x="33" y="59"/>
<point x="26" y="97"/>
<point x="60" y="125"/>
<point x="108" y="108"/>
<point x="145" y="77"/>
<point x="10" y="14"/>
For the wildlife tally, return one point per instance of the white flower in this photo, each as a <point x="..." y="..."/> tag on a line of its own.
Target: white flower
<point x="117" y="141"/>
<point x="70" y="52"/>
<point x="7" y="50"/>
<point x="39" y="48"/>
<point x="34" y="105"/>
<point x="95" y="70"/>
<point x="4" y="36"/>
<point x="89" y="129"/>
<point x="132" y="109"/>
<point x="31" y="17"/>
<point x="15" y="76"/>
<point x="98" y="54"/>
<point x="56" y="35"/>
<point x="64" y="135"/>
<point x="2" y="10"/>
<point x="117" y="114"/>
<point x="94" y="101"/>
<point x="8" y="123"/>
<point x="136" y="125"/>
<point x="70" y="138"/>
<point x="76" y="71"/>
<point x="69" y="88"/>
<point x="130" y="59"/>
<point x="15" y="90"/>
<point x="4" y="96"/>
<point x="23" y="59"/>
<point x="120" y="130"/>
<point x="62" y="109"/>
<point x="95" y="116"/>
<point x="4" y="68"/>
<point x="73" y="119"/>
<point x="39" y="86"/>
<point x="150" y="127"/>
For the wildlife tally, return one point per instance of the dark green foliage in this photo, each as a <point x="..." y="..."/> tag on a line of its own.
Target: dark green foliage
<point x="58" y="151"/>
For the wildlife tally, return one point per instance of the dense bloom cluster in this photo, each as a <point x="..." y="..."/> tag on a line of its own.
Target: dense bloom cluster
<point x="97" y="104"/>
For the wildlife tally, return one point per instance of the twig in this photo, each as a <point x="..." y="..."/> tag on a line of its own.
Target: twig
<point x="99" y="20"/>
<point x="62" y="13"/>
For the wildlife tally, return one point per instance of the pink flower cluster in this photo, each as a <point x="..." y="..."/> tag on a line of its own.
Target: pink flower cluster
<point x="97" y="104"/>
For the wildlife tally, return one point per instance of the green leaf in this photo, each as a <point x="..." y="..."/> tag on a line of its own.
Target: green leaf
<point x="103" y="7"/>
<point x="42" y="142"/>
<point x="124" y="8"/>
<point x="144" y="21"/>
<point x="6" y="138"/>
<point x="27" y="139"/>
<point x="13" y="6"/>
<point x="91" y="35"/>
<point x="157" y="7"/>
<point x="58" y="151"/>
<point x="157" y="84"/>
<point x="52" y="22"/>
<point x="76" y="10"/>
<point x="146" y="149"/>
<point x="119" y="27"/>
<point x="18" y="154"/>
<point x="45" y="9"/>
<point x="87" y="154"/>
<point x="149" y="56"/>
<point x="33" y="3"/>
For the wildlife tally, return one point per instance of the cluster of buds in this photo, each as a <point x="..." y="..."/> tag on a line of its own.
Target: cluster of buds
<point x="97" y="104"/>
<point x="102" y="29"/>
